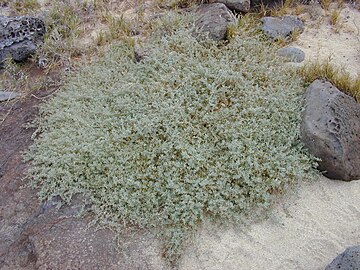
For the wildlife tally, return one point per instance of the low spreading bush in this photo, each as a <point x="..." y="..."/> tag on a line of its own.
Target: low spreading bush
<point x="196" y="131"/>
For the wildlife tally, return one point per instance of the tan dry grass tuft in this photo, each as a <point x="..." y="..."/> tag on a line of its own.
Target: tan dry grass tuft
<point x="325" y="4"/>
<point x="283" y="9"/>
<point x="24" y="6"/>
<point x="337" y="76"/>
<point x="68" y="24"/>
<point x="334" y="17"/>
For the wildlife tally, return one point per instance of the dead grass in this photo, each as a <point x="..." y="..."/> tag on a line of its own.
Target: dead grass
<point x="69" y="22"/>
<point x="246" y="22"/>
<point x="178" y="3"/>
<point x="334" y="17"/>
<point x="287" y="7"/>
<point x="283" y="9"/>
<point x="67" y="44"/>
<point x="25" y="78"/>
<point x="337" y="76"/>
<point x="325" y="4"/>
<point x="24" y="6"/>
<point x="118" y="28"/>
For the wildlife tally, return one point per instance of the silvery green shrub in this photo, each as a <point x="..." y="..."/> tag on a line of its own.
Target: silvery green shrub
<point x="196" y="131"/>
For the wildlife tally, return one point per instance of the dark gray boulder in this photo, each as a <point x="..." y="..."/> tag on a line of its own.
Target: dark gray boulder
<point x="20" y="37"/>
<point x="348" y="260"/>
<point x="5" y="96"/>
<point x="292" y="54"/>
<point x="330" y="129"/>
<point x="213" y="20"/>
<point x="275" y="27"/>
<point x="237" y="5"/>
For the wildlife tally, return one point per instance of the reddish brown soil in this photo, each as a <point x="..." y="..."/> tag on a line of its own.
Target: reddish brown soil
<point x="35" y="236"/>
<point x="17" y="204"/>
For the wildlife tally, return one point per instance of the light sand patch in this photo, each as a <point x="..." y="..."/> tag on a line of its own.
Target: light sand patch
<point x="340" y="43"/>
<point x="306" y="232"/>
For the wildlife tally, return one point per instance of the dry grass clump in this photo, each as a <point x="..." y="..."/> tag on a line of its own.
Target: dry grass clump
<point x="282" y="8"/>
<point x="21" y="79"/>
<point x="249" y="22"/>
<point x="64" y="21"/>
<point x="194" y="132"/>
<point x="21" y="6"/>
<point x="13" y="76"/>
<point x="334" y="17"/>
<point x="67" y="43"/>
<point x="58" y="48"/>
<point x="179" y="3"/>
<point x="337" y="76"/>
<point x="118" y="29"/>
<point x="325" y="4"/>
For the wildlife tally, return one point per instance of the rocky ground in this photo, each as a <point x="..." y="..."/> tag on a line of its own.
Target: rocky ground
<point x="33" y="235"/>
<point x="306" y="232"/>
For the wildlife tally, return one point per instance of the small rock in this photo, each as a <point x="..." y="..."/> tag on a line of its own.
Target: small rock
<point x="275" y="27"/>
<point x="20" y="36"/>
<point x="27" y="254"/>
<point x="348" y="260"/>
<point x="43" y="62"/>
<point x="330" y="129"/>
<point x="237" y="5"/>
<point x="214" y="20"/>
<point x="5" y="96"/>
<point x="292" y="54"/>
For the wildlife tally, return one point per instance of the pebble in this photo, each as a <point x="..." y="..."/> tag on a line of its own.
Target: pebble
<point x="292" y="54"/>
<point x="5" y="96"/>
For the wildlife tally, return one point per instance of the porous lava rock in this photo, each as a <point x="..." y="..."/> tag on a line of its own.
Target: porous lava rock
<point x="275" y="27"/>
<point x="348" y="260"/>
<point x="20" y="37"/>
<point x="213" y="20"/>
<point x="330" y="129"/>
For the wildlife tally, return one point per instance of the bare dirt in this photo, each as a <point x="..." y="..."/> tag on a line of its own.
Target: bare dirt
<point x="33" y="235"/>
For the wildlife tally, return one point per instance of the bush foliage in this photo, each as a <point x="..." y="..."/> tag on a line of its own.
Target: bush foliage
<point x="196" y="131"/>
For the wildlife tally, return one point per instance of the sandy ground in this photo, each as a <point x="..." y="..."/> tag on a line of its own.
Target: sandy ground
<point x="339" y="43"/>
<point x="309" y="229"/>
<point x="306" y="231"/>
